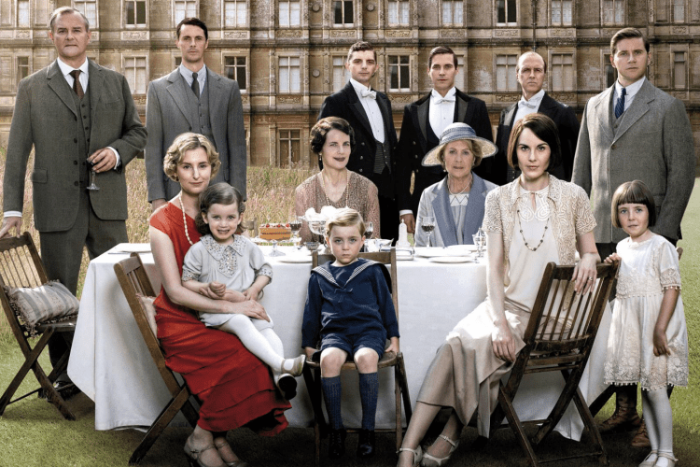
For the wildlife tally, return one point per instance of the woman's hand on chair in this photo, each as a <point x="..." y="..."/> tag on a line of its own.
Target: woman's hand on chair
<point x="503" y="342"/>
<point x="585" y="273"/>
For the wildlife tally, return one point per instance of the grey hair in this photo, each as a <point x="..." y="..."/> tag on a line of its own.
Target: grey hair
<point x="65" y="10"/>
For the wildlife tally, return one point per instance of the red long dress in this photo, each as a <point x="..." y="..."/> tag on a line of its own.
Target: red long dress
<point x="234" y="387"/>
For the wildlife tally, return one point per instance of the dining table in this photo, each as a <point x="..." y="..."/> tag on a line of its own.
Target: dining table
<point x="110" y="362"/>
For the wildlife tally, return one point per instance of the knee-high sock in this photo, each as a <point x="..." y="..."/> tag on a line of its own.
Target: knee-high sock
<point x="254" y="341"/>
<point x="331" y="394"/>
<point x="369" y="392"/>
<point x="276" y="343"/>
<point x="662" y="417"/>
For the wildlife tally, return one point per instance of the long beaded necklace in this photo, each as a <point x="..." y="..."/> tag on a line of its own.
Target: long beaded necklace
<point x="347" y="188"/>
<point x="184" y="219"/>
<point x="522" y="234"/>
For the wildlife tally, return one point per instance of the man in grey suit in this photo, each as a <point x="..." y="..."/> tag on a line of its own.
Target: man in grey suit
<point x="634" y="131"/>
<point x="76" y="114"/>
<point x="193" y="98"/>
<point x="531" y="72"/>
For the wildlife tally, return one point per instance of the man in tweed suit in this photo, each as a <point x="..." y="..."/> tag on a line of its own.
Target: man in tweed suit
<point x="634" y="131"/>
<point x="194" y="98"/>
<point x="75" y="114"/>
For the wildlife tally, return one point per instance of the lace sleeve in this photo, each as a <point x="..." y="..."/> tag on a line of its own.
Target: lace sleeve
<point x="258" y="262"/>
<point x="492" y="214"/>
<point x="372" y="214"/>
<point x="585" y="222"/>
<point x="669" y="269"/>
<point x="302" y="201"/>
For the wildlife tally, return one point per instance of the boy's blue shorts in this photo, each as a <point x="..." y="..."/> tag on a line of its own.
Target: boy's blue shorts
<point x="352" y="343"/>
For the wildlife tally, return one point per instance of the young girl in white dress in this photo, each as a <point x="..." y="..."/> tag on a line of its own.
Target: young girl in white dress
<point x="226" y="266"/>
<point x="648" y="341"/>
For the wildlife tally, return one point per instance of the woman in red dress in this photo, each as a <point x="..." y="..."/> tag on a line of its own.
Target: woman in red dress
<point x="235" y="388"/>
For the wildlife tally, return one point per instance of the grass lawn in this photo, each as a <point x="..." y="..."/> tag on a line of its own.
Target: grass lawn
<point x="32" y="433"/>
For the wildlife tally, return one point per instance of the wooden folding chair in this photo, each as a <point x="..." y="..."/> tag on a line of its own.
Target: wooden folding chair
<point x="565" y="349"/>
<point x="21" y="266"/>
<point x="312" y="370"/>
<point x="134" y="282"/>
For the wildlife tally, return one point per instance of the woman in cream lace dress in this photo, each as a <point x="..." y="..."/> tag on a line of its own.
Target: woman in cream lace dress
<point x="529" y="222"/>
<point x="332" y="138"/>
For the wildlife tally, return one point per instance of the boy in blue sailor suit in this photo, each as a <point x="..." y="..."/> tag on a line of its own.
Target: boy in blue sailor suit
<point x="348" y="304"/>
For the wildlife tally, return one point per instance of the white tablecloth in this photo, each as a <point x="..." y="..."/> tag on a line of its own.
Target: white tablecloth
<point x="110" y="362"/>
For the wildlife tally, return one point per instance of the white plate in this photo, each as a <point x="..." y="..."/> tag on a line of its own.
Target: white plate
<point x="452" y="259"/>
<point x="461" y="250"/>
<point x="404" y="257"/>
<point x="294" y="259"/>
<point x="432" y="252"/>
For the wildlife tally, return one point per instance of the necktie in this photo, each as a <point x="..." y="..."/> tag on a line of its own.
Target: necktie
<point x="77" y="87"/>
<point x="195" y="85"/>
<point x="528" y="104"/>
<point x="620" y="106"/>
<point x="444" y="100"/>
<point x="370" y="94"/>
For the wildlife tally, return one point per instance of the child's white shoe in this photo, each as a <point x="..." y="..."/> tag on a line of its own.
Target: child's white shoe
<point x="294" y="366"/>
<point x="650" y="459"/>
<point x="665" y="459"/>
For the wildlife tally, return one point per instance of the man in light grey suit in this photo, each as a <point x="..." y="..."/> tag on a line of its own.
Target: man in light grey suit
<point x="634" y="131"/>
<point x="193" y="98"/>
<point x="94" y="123"/>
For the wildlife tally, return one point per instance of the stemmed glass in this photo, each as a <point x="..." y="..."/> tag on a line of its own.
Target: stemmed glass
<point x="318" y="226"/>
<point x="275" y="251"/>
<point x="92" y="186"/>
<point x="428" y="225"/>
<point x="480" y="241"/>
<point x="295" y="225"/>
<point x="369" y="230"/>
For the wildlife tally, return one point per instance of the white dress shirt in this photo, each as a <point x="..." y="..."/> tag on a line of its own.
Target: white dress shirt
<point x="631" y="91"/>
<point x="528" y="106"/>
<point x="442" y="110"/>
<point x="201" y="76"/>
<point x="371" y="109"/>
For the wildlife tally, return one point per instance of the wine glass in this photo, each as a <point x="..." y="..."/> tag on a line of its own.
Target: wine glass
<point x="93" y="175"/>
<point x="295" y="225"/>
<point x="428" y="225"/>
<point x="480" y="241"/>
<point x="369" y="230"/>
<point x="318" y="227"/>
<point x="275" y="251"/>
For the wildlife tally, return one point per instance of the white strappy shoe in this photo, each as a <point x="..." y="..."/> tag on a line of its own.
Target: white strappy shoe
<point x="417" y="454"/>
<point x="432" y="461"/>
<point x="667" y="455"/>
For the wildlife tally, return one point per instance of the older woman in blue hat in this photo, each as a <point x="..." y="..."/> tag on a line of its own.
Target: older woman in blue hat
<point x="457" y="201"/>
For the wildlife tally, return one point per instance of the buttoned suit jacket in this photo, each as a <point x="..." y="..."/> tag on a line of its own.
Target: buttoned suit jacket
<point x="168" y="115"/>
<point x="567" y="124"/>
<point x="413" y="145"/>
<point x="652" y="141"/>
<point x="45" y="117"/>
<point x="345" y="104"/>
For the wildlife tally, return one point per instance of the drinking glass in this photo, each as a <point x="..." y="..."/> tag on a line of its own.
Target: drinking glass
<point x="369" y="230"/>
<point x="318" y="227"/>
<point x="428" y="225"/>
<point x="93" y="175"/>
<point x="295" y="225"/>
<point x="480" y="241"/>
<point x="275" y="251"/>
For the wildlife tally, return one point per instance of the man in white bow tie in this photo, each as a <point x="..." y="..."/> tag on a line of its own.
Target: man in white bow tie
<point x="369" y="114"/>
<point x="423" y="123"/>
<point x="531" y="72"/>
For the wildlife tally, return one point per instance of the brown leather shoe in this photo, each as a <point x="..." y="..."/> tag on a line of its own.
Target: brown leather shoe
<point x="641" y="439"/>
<point x="624" y="418"/>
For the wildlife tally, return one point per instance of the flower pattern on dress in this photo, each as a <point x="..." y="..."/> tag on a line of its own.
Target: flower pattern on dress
<point x="225" y="255"/>
<point x="568" y="202"/>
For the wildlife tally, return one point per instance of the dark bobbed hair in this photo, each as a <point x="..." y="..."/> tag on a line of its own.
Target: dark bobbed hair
<point x="441" y="50"/>
<point x="193" y="22"/>
<point x="324" y="126"/>
<point x="634" y="192"/>
<point x="545" y="129"/>
<point x="627" y="33"/>
<point x="361" y="46"/>
<point x="220" y="193"/>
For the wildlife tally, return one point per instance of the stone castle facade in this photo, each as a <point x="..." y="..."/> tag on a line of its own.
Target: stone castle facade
<point x="288" y="55"/>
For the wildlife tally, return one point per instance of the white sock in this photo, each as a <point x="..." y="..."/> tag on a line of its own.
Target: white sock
<point x="253" y="340"/>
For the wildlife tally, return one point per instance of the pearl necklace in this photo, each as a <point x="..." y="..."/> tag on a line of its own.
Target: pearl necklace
<point x="347" y="188"/>
<point x="184" y="219"/>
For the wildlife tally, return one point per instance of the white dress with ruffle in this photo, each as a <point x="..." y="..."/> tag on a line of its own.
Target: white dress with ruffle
<point x="647" y="269"/>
